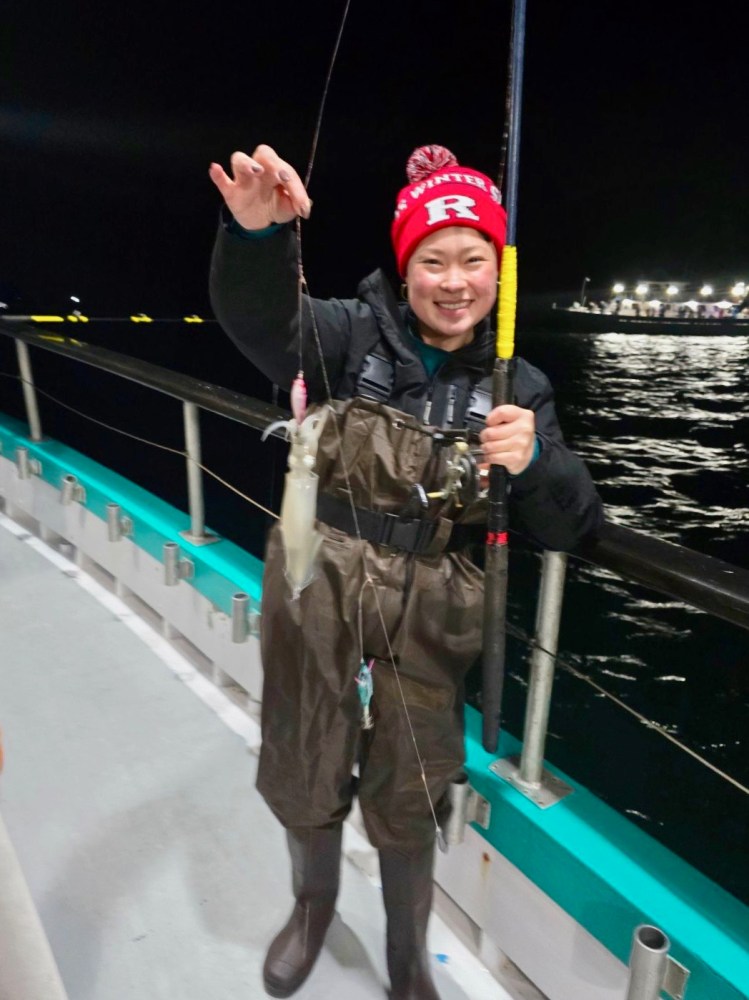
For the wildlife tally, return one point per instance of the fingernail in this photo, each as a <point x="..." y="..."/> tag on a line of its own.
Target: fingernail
<point x="284" y="176"/>
<point x="256" y="169"/>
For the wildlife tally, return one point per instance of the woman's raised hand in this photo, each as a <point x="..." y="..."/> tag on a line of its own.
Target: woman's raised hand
<point x="263" y="189"/>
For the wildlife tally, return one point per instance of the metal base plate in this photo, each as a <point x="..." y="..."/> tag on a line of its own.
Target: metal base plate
<point x="550" y="790"/>
<point x="206" y="539"/>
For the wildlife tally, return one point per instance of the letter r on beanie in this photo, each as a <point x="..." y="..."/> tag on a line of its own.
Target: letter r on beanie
<point x="439" y="209"/>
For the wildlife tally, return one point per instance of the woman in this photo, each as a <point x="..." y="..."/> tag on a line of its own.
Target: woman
<point x="395" y="585"/>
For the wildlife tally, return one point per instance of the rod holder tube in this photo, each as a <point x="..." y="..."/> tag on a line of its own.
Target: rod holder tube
<point x="29" y="391"/>
<point x="191" y="415"/>
<point x="22" y="463"/>
<point x="171" y="558"/>
<point x="118" y="524"/>
<point x="114" y="532"/>
<point x="240" y="629"/>
<point x="548" y="618"/>
<point x="176" y="568"/>
<point x="458" y="793"/>
<point x="67" y="490"/>
<point x="71" y="490"/>
<point x="648" y="962"/>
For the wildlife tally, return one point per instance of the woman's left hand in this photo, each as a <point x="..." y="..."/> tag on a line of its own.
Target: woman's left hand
<point x="509" y="437"/>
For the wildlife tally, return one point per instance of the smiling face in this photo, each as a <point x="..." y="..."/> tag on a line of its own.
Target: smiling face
<point x="452" y="285"/>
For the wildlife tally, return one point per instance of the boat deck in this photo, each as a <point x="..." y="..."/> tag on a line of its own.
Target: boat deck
<point x="129" y="797"/>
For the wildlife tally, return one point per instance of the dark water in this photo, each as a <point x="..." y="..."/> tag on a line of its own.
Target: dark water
<point x="663" y="423"/>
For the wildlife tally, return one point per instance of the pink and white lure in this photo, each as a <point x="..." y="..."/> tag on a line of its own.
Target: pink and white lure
<point x="299" y="398"/>
<point x="299" y="505"/>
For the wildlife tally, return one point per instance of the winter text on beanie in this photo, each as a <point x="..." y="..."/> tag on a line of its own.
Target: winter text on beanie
<point x="441" y="193"/>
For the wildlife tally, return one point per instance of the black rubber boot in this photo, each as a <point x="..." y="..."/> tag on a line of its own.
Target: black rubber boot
<point x="407" y="888"/>
<point x="315" y="864"/>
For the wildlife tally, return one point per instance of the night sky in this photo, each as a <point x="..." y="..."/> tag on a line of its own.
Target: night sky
<point x="633" y="151"/>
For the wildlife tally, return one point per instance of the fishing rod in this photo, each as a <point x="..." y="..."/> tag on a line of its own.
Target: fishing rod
<point x="497" y="523"/>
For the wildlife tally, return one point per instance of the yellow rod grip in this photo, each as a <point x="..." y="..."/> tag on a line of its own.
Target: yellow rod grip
<point x="507" y="302"/>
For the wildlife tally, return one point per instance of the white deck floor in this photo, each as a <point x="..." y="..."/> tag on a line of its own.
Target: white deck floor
<point x="156" y="868"/>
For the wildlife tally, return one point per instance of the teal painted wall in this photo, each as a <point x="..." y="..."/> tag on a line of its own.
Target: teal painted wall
<point x="221" y="569"/>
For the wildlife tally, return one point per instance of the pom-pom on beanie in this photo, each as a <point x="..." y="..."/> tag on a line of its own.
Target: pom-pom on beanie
<point x="440" y="193"/>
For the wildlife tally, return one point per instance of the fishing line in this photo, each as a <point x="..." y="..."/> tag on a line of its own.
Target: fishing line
<point x="568" y="667"/>
<point x="370" y="582"/>
<point x="255" y="503"/>
<point x="142" y="440"/>
<point x="656" y="726"/>
<point x="310" y="164"/>
<point x="303" y="288"/>
<point x="324" y="98"/>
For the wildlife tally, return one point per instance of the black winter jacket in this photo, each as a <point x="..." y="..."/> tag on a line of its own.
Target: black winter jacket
<point x="254" y="296"/>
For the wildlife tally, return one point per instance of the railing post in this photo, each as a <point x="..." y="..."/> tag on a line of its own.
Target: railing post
<point x="29" y="392"/>
<point x="652" y="971"/>
<point x="197" y="534"/>
<point x="240" y="626"/>
<point x="647" y="963"/>
<point x="527" y="772"/>
<point x="543" y="656"/>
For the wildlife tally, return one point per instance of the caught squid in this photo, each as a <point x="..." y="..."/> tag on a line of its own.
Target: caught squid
<point x="299" y="505"/>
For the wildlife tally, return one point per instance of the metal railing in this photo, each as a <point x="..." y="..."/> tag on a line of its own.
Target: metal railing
<point x="702" y="581"/>
<point x="194" y="394"/>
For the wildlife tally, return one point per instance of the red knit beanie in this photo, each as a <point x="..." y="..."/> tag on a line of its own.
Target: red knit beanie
<point x="441" y="193"/>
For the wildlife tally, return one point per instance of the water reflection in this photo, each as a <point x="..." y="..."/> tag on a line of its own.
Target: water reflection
<point x="663" y="423"/>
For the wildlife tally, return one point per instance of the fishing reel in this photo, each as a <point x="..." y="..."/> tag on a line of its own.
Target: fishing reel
<point x="462" y="474"/>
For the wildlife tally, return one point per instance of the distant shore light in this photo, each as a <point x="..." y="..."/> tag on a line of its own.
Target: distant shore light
<point x="706" y="290"/>
<point x="672" y="290"/>
<point x="618" y="288"/>
<point x="739" y="288"/>
<point x="642" y="289"/>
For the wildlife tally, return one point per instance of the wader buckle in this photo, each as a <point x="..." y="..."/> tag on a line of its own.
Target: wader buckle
<point x="412" y="534"/>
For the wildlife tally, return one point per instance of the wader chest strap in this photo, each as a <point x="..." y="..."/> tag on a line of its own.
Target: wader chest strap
<point x="410" y="534"/>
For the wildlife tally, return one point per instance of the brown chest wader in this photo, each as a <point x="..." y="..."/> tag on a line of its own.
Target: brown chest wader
<point x="430" y="598"/>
